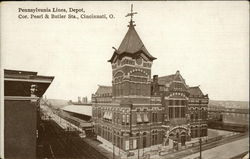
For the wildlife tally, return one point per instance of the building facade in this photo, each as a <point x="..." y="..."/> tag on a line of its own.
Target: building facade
<point x="198" y="112"/>
<point x="138" y="112"/>
<point x="22" y="93"/>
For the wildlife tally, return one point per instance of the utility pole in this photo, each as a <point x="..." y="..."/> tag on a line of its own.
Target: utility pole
<point x="113" y="145"/>
<point x="200" y="131"/>
<point x="200" y="148"/>
<point x="113" y="139"/>
<point x="139" y="143"/>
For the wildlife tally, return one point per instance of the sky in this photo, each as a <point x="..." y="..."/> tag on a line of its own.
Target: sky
<point x="208" y="42"/>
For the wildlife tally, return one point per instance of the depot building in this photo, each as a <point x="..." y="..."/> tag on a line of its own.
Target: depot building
<point x="141" y="111"/>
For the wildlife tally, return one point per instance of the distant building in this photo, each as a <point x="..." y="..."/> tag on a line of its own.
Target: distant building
<point x="22" y="93"/>
<point x="235" y="116"/>
<point x="138" y="112"/>
<point x="70" y="102"/>
<point x="84" y="100"/>
<point x="102" y="95"/>
<point x="79" y="100"/>
<point x="229" y="115"/>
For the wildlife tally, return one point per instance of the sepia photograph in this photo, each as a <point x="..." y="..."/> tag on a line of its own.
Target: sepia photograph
<point x="124" y="80"/>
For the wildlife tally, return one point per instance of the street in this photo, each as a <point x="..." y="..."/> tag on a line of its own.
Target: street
<point x="225" y="151"/>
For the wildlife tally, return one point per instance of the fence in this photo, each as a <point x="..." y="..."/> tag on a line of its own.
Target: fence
<point x="218" y="138"/>
<point x="221" y="138"/>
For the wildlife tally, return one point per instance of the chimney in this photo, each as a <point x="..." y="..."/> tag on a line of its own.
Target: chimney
<point x="155" y="78"/>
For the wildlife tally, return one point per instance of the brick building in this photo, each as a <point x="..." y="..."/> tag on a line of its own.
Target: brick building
<point x="138" y="112"/>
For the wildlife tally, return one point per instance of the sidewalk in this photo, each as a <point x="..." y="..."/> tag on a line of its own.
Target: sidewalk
<point x="225" y="151"/>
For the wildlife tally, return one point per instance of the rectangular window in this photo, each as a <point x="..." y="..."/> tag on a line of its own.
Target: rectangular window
<point x="183" y="102"/>
<point x="177" y="102"/>
<point x="144" y="141"/>
<point x="183" y="112"/>
<point x="143" y="86"/>
<point x="117" y="89"/>
<point x="127" y="145"/>
<point x="170" y="102"/>
<point x="119" y="141"/>
<point x="153" y="117"/>
<point x="131" y="144"/>
<point x="121" y="88"/>
<point x="156" y="138"/>
<point x="170" y="112"/>
<point x="193" y="133"/>
<point x="134" y="143"/>
<point x="176" y="112"/>
<point x="153" y="141"/>
<point x="138" y="89"/>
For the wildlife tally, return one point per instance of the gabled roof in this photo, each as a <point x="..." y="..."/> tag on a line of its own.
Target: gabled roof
<point x="166" y="79"/>
<point x="132" y="44"/>
<point x="195" y="91"/>
<point x="104" y="90"/>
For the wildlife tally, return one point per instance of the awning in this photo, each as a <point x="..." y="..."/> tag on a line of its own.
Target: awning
<point x="110" y="115"/>
<point x="139" y="120"/>
<point x="145" y="117"/>
<point x="105" y="115"/>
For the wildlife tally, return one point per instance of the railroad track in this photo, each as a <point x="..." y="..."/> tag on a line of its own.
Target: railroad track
<point x="62" y="144"/>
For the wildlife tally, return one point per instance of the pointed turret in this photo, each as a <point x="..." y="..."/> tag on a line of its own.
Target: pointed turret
<point x="131" y="44"/>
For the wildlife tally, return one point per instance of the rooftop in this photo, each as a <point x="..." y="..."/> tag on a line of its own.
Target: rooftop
<point x="19" y="83"/>
<point x="104" y="90"/>
<point x="195" y="91"/>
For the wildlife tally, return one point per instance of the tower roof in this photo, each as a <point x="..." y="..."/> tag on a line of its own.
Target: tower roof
<point x="132" y="43"/>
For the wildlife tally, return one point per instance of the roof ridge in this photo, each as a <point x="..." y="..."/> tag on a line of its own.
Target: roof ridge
<point x="166" y="76"/>
<point x="194" y="86"/>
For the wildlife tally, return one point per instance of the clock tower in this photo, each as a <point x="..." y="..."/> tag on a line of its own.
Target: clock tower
<point x="131" y="67"/>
